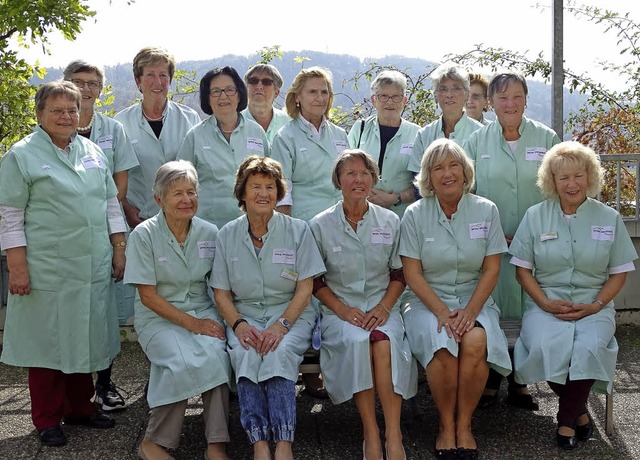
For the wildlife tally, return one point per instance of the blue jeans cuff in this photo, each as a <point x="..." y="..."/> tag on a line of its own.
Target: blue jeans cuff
<point x="258" y="434"/>
<point x="283" y="433"/>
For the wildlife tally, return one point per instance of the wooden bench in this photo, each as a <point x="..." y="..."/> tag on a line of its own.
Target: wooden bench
<point x="511" y="328"/>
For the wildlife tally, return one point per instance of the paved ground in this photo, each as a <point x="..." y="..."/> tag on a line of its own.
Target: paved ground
<point x="333" y="432"/>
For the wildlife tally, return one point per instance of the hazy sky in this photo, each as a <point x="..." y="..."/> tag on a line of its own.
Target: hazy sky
<point x="202" y="29"/>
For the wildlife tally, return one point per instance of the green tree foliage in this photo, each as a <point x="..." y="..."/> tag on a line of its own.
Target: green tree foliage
<point x="29" y="23"/>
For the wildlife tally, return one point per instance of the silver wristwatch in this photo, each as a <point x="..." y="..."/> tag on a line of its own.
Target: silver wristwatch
<point x="285" y="322"/>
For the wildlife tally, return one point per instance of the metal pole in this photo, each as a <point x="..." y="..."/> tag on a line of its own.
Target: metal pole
<point x="557" y="70"/>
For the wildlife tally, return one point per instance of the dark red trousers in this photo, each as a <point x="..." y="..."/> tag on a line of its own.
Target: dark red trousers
<point x="55" y="395"/>
<point x="572" y="402"/>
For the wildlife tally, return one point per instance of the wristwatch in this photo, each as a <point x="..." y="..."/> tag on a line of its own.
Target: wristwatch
<point x="120" y="244"/>
<point x="285" y="322"/>
<point x="399" y="200"/>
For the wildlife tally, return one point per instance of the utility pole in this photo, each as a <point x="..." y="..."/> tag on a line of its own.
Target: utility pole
<point x="557" y="70"/>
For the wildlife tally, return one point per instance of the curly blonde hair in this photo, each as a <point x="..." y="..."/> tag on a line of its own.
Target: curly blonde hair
<point x="573" y="155"/>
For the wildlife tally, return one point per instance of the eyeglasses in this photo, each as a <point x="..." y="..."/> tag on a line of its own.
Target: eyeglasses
<point x="58" y="112"/>
<point x="217" y="92"/>
<point x="385" y="98"/>
<point x="477" y="97"/>
<point x="264" y="81"/>
<point x="446" y="89"/>
<point x="92" y="84"/>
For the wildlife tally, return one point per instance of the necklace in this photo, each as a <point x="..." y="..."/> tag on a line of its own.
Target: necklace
<point x="88" y="127"/>
<point x="353" y="222"/>
<point x="229" y="132"/>
<point x="253" y="237"/>
<point x="149" y="118"/>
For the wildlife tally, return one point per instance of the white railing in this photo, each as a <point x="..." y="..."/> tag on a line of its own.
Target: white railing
<point x="631" y="163"/>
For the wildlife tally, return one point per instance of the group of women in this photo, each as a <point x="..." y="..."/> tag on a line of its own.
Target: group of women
<point x="409" y="243"/>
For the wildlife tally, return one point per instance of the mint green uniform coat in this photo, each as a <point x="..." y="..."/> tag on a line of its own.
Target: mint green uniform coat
<point x="452" y="257"/>
<point x="280" y="118"/>
<point x="217" y="161"/>
<point x="429" y="133"/>
<point x="153" y="152"/>
<point x="395" y="177"/>
<point x="509" y="180"/>
<point x="308" y="163"/>
<point x="570" y="262"/>
<point x="183" y="364"/>
<point x="262" y="289"/>
<point x="63" y="323"/>
<point x="358" y="265"/>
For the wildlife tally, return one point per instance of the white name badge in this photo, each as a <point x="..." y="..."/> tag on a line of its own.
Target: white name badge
<point x="44" y="167"/>
<point x="302" y="149"/>
<point x="206" y="249"/>
<point x="134" y="141"/>
<point x="479" y="230"/>
<point x="206" y="147"/>
<point x="535" y="153"/>
<point x="429" y="239"/>
<point x="255" y="144"/>
<point x="90" y="162"/>
<point x="548" y="236"/>
<point x="105" y="142"/>
<point x="406" y="149"/>
<point x="289" y="274"/>
<point x="602" y="232"/>
<point x="382" y="235"/>
<point x="336" y="249"/>
<point x="340" y="146"/>
<point x="283" y="256"/>
<point x="485" y="156"/>
<point x="162" y="259"/>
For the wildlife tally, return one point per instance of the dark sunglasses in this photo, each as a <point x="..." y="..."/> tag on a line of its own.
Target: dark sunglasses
<point x="264" y="81"/>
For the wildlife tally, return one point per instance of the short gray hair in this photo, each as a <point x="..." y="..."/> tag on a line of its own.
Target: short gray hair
<point x="57" y="88"/>
<point x="81" y="65"/>
<point x="172" y="171"/>
<point x="389" y="77"/>
<point x="435" y="154"/>
<point x="450" y="72"/>
<point x="499" y="83"/>
<point x="351" y="154"/>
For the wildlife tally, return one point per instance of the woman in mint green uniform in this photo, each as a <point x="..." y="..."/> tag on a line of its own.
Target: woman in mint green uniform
<point x="169" y="260"/>
<point x="388" y="138"/>
<point x="507" y="154"/>
<point x="262" y="278"/>
<point x="572" y="254"/>
<point x="451" y="243"/>
<point x="308" y="145"/>
<point x="218" y="145"/>
<point x="59" y="206"/>
<point x="156" y="127"/>
<point x="450" y="84"/>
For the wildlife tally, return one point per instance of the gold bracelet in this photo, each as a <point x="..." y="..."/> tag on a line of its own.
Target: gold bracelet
<point x="120" y="244"/>
<point x="385" y="308"/>
<point x="599" y="302"/>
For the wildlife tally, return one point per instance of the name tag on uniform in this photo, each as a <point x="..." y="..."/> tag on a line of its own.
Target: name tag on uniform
<point x="429" y="239"/>
<point x="602" y="232"/>
<point x="206" y="147"/>
<point x="134" y="141"/>
<point x="336" y="249"/>
<point x="340" y="146"/>
<point x="535" y="153"/>
<point x="382" y="235"/>
<point x="90" y="162"/>
<point x="479" y="230"/>
<point x="105" y="142"/>
<point x="255" y="144"/>
<point x="162" y="259"/>
<point x="206" y="249"/>
<point x="283" y="256"/>
<point x="548" y="236"/>
<point x="485" y="156"/>
<point x="289" y="274"/>
<point x="406" y="149"/>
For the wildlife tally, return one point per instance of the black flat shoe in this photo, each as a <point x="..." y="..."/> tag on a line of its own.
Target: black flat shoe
<point x="446" y="454"/>
<point x="522" y="401"/>
<point x="566" y="442"/>
<point x="467" y="454"/>
<point x="95" y="420"/>
<point x="318" y="393"/>
<point x="487" y="401"/>
<point x="584" y="432"/>
<point x="52" y="436"/>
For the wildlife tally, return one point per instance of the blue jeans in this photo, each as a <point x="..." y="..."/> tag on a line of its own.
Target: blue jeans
<point x="266" y="408"/>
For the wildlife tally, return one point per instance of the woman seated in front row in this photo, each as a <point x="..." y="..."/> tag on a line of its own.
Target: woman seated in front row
<point x="450" y="245"/>
<point x="572" y="254"/>
<point x="364" y="348"/>
<point x="262" y="281"/>
<point x="169" y="259"/>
